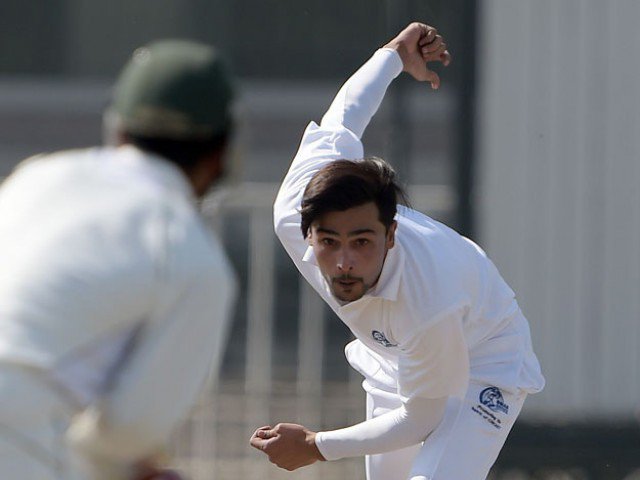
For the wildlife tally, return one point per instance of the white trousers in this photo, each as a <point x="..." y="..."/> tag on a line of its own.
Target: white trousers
<point x="463" y="447"/>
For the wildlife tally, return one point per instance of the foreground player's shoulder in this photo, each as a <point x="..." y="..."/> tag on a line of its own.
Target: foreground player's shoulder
<point x="58" y="156"/>
<point x="48" y="163"/>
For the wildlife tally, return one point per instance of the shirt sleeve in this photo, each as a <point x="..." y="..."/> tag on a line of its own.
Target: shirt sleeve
<point x="402" y="427"/>
<point x="178" y="348"/>
<point x="337" y="137"/>
<point x="434" y="361"/>
<point x="433" y="365"/>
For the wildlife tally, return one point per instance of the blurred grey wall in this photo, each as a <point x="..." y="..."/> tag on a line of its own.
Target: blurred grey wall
<point x="559" y="191"/>
<point x="58" y="60"/>
<point x="268" y="38"/>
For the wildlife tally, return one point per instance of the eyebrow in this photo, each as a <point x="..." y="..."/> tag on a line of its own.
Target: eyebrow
<point x="353" y="233"/>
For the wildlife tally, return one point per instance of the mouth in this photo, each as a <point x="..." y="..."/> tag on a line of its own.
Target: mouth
<point x="346" y="282"/>
<point x="348" y="288"/>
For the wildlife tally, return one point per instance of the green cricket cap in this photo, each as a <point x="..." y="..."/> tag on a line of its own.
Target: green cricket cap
<point x="174" y="89"/>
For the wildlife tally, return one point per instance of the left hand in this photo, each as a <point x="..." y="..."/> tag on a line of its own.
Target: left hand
<point x="288" y="445"/>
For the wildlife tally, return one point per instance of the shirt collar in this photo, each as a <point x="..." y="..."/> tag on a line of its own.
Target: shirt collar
<point x="388" y="284"/>
<point x="309" y="256"/>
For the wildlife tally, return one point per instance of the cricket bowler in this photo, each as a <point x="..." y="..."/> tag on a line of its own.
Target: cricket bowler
<point x="443" y="347"/>
<point x="114" y="294"/>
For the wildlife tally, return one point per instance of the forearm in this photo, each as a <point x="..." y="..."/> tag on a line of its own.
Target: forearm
<point x="405" y="426"/>
<point x="160" y="381"/>
<point x="361" y="96"/>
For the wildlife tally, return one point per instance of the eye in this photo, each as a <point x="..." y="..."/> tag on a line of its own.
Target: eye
<point x="361" y="242"/>
<point x="329" y="242"/>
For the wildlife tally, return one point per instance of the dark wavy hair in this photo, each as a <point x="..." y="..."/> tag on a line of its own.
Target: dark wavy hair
<point x="345" y="184"/>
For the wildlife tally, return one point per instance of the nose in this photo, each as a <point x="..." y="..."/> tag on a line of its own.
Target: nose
<point x="345" y="261"/>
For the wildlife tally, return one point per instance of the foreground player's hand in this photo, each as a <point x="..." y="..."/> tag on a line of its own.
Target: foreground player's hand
<point x="417" y="45"/>
<point x="150" y="473"/>
<point x="288" y="445"/>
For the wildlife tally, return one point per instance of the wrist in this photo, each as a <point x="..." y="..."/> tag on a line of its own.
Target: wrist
<point x="311" y="441"/>
<point x="400" y="48"/>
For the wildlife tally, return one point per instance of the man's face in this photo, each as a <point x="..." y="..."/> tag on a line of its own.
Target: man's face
<point x="350" y="247"/>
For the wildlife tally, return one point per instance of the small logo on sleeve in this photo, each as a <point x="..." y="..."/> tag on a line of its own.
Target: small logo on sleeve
<point x="492" y="398"/>
<point x="381" y="339"/>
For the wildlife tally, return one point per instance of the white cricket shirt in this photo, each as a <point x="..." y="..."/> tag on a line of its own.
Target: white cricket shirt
<point x="440" y="313"/>
<point x="113" y="292"/>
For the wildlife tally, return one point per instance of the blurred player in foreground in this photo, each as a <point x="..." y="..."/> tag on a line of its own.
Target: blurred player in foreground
<point x="444" y="349"/>
<point x="114" y="295"/>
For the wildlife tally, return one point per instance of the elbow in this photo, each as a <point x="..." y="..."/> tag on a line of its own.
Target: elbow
<point x="279" y="224"/>
<point x="279" y="213"/>
<point x="285" y="219"/>
<point x="287" y="230"/>
<point x="426" y="412"/>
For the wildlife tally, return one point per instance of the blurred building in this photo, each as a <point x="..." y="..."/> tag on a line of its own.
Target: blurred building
<point x="559" y="189"/>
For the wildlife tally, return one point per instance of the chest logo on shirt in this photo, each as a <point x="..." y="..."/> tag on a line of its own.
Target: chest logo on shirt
<point x="492" y="398"/>
<point x="381" y="339"/>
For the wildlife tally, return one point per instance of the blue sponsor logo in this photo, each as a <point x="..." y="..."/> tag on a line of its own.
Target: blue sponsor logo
<point x="492" y="398"/>
<point x="381" y="339"/>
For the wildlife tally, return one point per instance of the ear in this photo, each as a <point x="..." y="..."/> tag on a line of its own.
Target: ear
<point x="391" y="235"/>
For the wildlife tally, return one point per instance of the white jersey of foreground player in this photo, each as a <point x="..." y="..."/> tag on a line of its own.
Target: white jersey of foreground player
<point x="440" y="322"/>
<point x="114" y="301"/>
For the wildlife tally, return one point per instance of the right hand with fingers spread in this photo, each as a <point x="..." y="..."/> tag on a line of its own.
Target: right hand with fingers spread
<point x="417" y="45"/>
